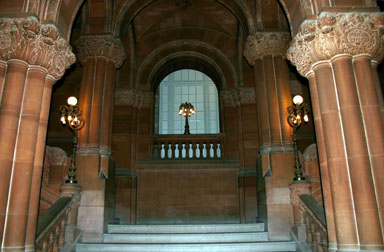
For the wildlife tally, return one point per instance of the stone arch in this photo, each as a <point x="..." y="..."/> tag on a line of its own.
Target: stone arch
<point x="130" y="9"/>
<point x="186" y="60"/>
<point x="54" y="12"/>
<point x="187" y="53"/>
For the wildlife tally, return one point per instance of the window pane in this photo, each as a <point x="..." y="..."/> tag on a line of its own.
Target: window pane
<point x="187" y="86"/>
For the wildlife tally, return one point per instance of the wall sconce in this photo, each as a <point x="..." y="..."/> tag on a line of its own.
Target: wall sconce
<point x="298" y="113"/>
<point x="186" y="109"/>
<point x="71" y="115"/>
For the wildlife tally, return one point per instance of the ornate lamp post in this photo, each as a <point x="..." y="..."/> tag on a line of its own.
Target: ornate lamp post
<point x="186" y="109"/>
<point x="297" y="114"/>
<point x="71" y="115"/>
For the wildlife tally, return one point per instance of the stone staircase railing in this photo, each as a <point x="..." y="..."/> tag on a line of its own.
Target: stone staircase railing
<point x="314" y="221"/>
<point x="196" y="146"/>
<point x="56" y="229"/>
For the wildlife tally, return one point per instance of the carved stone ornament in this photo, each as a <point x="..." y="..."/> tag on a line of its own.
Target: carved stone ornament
<point x="101" y="46"/>
<point x="146" y="99"/>
<point x="125" y="97"/>
<point x="247" y="95"/>
<point x="226" y="99"/>
<point x="35" y="43"/>
<point x="337" y="33"/>
<point x="263" y="43"/>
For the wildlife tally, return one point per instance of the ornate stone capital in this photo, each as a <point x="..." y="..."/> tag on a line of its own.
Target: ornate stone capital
<point x="101" y="46"/>
<point x="263" y="43"/>
<point x="35" y="43"/>
<point x="337" y="33"/>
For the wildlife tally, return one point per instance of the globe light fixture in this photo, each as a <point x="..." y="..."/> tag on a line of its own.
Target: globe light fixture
<point x="298" y="113"/>
<point x="71" y="115"/>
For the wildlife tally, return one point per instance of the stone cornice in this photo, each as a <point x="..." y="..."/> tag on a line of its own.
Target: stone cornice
<point x="100" y="46"/>
<point x="337" y="33"/>
<point x="35" y="43"/>
<point x="264" y="43"/>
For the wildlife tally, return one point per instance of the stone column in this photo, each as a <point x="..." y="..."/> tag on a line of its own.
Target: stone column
<point x="323" y="164"/>
<point x="265" y="51"/>
<point x="100" y="56"/>
<point x="32" y="56"/>
<point x="339" y="49"/>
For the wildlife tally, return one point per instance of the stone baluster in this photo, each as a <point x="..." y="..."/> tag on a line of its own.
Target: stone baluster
<point x="201" y="148"/>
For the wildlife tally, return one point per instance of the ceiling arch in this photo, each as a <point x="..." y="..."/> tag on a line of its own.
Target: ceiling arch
<point x="130" y="9"/>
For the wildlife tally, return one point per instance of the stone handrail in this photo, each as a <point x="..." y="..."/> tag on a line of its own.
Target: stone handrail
<point x="196" y="146"/>
<point x="315" y="224"/>
<point x="51" y="226"/>
<point x="57" y="228"/>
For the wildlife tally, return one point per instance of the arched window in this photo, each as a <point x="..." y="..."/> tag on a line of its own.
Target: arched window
<point x="187" y="86"/>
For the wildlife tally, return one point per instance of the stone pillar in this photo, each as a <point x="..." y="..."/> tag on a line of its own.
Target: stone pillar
<point x="336" y="52"/>
<point x="321" y="151"/>
<point x="265" y="51"/>
<point x="32" y="56"/>
<point x="100" y="56"/>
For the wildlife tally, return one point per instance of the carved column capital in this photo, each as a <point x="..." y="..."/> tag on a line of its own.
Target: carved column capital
<point x="35" y="43"/>
<point x="263" y="43"/>
<point x="101" y="46"/>
<point x="337" y="33"/>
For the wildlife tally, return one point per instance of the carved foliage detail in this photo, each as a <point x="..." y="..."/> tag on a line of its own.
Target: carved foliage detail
<point x="101" y="46"/>
<point x="125" y="97"/>
<point x="37" y="44"/>
<point x="263" y="43"/>
<point x="131" y="97"/>
<point x="337" y="33"/>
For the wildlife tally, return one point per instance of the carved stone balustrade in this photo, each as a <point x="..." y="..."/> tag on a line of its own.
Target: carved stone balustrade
<point x="196" y="146"/>
<point x="314" y="221"/>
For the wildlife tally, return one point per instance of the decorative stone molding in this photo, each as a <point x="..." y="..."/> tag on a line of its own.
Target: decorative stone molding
<point x="226" y="99"/>
<point x="146" y="99"/>
<point x="263" y="43"/>
<point x="35" y="43"/>
<point x="337" y="33"/>
<point x="125" y="97"/>
<point x="101" y="46"/>
<point x="247" y="95"/>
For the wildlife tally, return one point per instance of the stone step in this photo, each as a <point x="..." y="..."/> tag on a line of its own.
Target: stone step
<point x="221" y="247"/>
<point x="186" y="238"/>
<point x="185" y="229"/>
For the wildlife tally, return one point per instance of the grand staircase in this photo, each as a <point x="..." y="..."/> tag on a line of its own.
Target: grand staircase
<point x="186" y="238"/>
